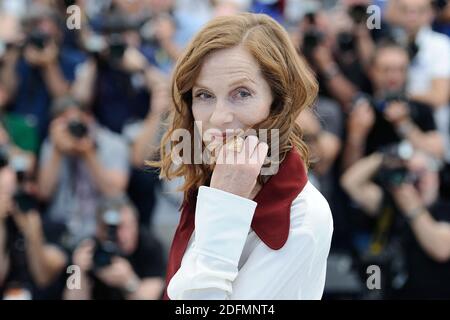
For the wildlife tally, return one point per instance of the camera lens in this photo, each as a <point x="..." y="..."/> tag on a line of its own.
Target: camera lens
<point x="77" y="129"/>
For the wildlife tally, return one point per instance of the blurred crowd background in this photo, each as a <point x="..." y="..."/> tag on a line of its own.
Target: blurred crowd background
<point x="81" y="110"/>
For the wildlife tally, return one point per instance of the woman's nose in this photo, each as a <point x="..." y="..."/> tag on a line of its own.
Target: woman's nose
<point x="221" y="115"/>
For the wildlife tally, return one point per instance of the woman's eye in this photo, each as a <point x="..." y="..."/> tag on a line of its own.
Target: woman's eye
<point x="203" y="95"/>
<point x="242" y="94"/>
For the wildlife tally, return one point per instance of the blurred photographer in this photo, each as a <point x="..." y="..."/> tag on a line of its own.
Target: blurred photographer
<point x="125" y="90"/>
<point x="29" y="263"/>
<point x="388" y="116"/>
<point x="123" y="261"/>
<point x="322" y="130"/>
<point x="399" y="187"/>
<point x="41" y="69"/>
<point x="338" y="52"/>
<point x="80" y="162"/>
<point x="429" y="77"/>
<point x="118" y="80"/>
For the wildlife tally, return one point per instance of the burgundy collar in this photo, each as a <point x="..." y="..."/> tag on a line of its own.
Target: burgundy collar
<point x="271" y="220"/>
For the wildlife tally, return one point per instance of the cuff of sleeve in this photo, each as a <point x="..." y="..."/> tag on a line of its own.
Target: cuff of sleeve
<point x="222" y="223"/>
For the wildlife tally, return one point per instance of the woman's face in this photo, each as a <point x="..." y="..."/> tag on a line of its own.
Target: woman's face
<point x="230" y="94"/>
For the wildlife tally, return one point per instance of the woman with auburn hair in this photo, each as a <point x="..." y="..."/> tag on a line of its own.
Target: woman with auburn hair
<point x="243" y="234"/>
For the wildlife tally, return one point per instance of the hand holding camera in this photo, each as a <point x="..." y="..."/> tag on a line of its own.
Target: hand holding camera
<point x="60" y="136"/>
<point x="71" y="137"/>
<point x="134" y="61"/>
<point x="397" y="112"/>
<point x="118" y="274"/>
<point x="40" y="50"/>
<point x="407" y="199"/>
<point x="361" y="118"/>
<point x="29" y="223"/>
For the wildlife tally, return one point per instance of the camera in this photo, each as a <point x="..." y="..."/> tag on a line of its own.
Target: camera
<point x="346" y="42"/>
<point x="312" y="36"/>
<point x="77" y="129"/>
<point x="112" y="28"/>
<point x="358" y="13"/>
<point x="311" y="39"/>
<point x="25" y="201"/>
<point x="117" y="46"/>
<point x="106" y="249"/>
<point x="394" y="172"/>
<point x="38" y="39"/>
<point x="389" y="97"/>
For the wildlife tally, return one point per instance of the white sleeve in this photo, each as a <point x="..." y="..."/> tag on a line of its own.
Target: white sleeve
<point x="296" y="271"/>
<point x="440" y="67"/>
<point x="222" y="224"/>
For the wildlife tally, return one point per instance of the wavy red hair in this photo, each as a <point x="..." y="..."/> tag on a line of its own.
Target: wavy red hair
<point x="293" y="86"/>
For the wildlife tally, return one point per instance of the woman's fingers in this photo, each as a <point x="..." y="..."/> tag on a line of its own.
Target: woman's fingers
<point x="260" y="153"/>
<point x="239" y="151"/>
<point x="245" y="156"/>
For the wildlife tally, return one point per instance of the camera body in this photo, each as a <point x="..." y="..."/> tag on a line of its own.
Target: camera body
<point x="38" y="39"/>
<point x="394" y="172"/>
<point x="358" y="13"/>
<point x="117" y="46"/>
<point x="311" y="39"/>
<point x="23" y="199"/>
<point x="346" y="42"/>
<point x="389" y="97"/>
<point x="77" y="129"/>
<point x="106" y="249"/>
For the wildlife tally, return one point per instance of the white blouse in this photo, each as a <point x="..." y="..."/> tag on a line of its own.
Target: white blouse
<point x="225" y="259"/>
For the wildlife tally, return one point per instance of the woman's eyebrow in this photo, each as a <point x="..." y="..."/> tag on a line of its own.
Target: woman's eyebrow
<point x="234" y="83"/>
<point x="200" y="86"/>
<point x="241" y="81"/>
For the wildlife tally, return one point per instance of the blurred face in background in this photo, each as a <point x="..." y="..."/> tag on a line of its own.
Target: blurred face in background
<point x="49" y="27"/>
<point x="414" y="14"/>
<point x="389" y="70"/>
<point x="159" y="6"/>
<point x="130" y="6"/>
<point x="127" y="232"/>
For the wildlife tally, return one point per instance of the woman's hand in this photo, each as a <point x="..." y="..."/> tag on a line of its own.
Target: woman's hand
<point x="236" y="171"/>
